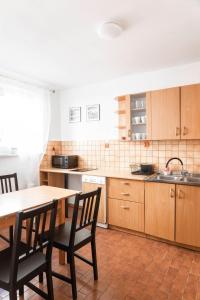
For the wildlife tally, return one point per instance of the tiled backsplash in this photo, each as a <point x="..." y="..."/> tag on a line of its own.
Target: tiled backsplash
<point x="119" y="155"/>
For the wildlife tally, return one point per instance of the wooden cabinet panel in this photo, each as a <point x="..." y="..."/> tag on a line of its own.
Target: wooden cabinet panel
<point x="148" y="116"/>
<point x="188" y="215"/>
<point x="56" y="179"/>
<point x="160" y="210"/>
<point x="190" y="111"/>
<point x="87" y="187"/>
<point x="165" y="114"/>
<point x="124" y="113"/>
<point x="126" y="214"/>
<point x="124" y="189"/>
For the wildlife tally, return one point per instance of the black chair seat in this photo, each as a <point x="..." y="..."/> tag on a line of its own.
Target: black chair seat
<point x="31" y="264"/>
<point x="62" y="236"/>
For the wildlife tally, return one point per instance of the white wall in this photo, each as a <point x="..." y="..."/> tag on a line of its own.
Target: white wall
<point x="104" y="93"/>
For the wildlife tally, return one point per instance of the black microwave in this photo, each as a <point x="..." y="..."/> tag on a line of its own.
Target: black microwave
<point x="64" y="161"/>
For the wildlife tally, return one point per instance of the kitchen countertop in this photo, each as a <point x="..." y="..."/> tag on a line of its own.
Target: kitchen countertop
<point x="117" y="173"/>
<point x="113" y="173"/>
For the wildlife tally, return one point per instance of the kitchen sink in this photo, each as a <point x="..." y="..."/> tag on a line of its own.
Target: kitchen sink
<point x="192" y="179"/>
<point x="170" y="177"/>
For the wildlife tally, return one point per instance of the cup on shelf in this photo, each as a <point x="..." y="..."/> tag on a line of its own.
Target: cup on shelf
<point x="137" y="104"/>
<point x="143" y="136"/>
<point x="143" y="119"/>
<point x="137" y="136"/>
<point x="137" y="120"/>
<point x="142" y="104"/>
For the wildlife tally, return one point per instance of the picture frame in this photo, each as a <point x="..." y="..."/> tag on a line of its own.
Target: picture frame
<point x="75" y="114"/>
<point x="93" y="112"/>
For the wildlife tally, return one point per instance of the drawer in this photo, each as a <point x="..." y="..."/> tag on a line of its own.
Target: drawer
<point x="124" y="189"/>
<point x="126" y="214"/>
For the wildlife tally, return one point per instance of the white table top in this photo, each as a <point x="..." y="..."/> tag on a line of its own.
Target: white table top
<point x="11" y="203"/>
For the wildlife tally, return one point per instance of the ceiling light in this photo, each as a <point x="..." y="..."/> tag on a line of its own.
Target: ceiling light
<point x="109" y="30"/>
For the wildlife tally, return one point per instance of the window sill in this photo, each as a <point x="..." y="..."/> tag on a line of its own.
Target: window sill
<point x="8" y="155"/>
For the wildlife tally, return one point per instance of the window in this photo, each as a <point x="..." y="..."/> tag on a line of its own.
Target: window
<point x="24" y="119"/>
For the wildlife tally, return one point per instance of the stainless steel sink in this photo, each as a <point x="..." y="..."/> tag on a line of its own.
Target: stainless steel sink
<point x="192" y="179"/>
<point x="170" y="177"/>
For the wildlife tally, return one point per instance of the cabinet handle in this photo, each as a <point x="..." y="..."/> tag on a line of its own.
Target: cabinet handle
<point x="178" y="131"/>
<point x="172" y="193"/>
<point x="124" y="207"/>
<point x="125" y="194"/>
<point x="184" y="130"/>
<point x="180" y="194"/>
<point x="129" y="133"/>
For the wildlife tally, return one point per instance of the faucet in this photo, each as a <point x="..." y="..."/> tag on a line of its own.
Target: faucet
<point x="181" y="162"/>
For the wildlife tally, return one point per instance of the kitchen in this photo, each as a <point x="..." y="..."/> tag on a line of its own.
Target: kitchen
<point x="132" y="129"/>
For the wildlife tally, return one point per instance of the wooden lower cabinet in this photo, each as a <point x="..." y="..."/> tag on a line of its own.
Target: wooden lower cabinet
<point x="188" y="215"/>
<point x="160" y="210"/>
<point x="126" y="214"/>
<point x="52" y="179"/>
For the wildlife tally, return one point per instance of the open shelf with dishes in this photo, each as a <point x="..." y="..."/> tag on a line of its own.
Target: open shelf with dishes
<point x="133" y="124"/>
<point x="138" y="117"/>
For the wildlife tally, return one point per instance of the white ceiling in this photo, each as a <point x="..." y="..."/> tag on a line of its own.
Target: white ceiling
<point x="55" y="41"/>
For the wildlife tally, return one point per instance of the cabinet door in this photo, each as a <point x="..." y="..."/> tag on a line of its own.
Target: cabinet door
<point x="160" y="210"/>
<point x="88" y="187"/>
<point x="165" y="114"/>
<point x="56" y="179"/>
<point x="190" y="111"/>
<point x="188" y="215"/>
<point x="124" y="112"/>
<point x="126" y="214"/>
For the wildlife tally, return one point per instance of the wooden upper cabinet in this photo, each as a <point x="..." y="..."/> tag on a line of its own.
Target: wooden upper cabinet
<point x="165" y="114"/>
<point x="124" y="113"/>
<point x="187" y="215"/>
<point x="190" y="111"/>
<point x="160" y="210"/>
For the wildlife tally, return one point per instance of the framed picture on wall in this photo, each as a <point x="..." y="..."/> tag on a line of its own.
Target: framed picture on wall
<point x="93" y="112"/>
<point x="74" y="114"/>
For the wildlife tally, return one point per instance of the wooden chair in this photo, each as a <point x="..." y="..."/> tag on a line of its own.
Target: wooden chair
<point x="72" y="236"/>
<point x="24" y="261"/>
<point x="8" y="183"/>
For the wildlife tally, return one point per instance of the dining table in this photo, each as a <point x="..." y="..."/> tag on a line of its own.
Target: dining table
<point x="25" y="199"/>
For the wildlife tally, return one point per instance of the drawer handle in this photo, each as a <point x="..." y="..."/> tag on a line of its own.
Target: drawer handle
<point x="126" y="183"/>
<point x="181" y="194"/>
<point x="185" y="131"/>
<point x="124" y="207"/>
<point x="125" y="194"/>
<point x="172" y="193"/>
<point x="178" y="131"/>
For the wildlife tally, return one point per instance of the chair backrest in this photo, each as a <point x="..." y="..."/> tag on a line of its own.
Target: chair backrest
<point x="43" y="219"/>
<point x="8" y="183"/>
<point x="88" y="212"/>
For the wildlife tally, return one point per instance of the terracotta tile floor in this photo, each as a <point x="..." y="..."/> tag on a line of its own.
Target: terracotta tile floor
<point x="131" y="268"/>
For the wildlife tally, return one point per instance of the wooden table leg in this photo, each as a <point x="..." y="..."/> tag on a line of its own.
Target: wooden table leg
<point x="61" y="221"/>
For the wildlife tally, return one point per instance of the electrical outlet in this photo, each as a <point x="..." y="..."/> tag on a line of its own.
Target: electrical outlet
<point x="107" y="145"/>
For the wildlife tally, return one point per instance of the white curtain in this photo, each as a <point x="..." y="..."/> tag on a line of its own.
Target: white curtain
<point x="24" y="125"/>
